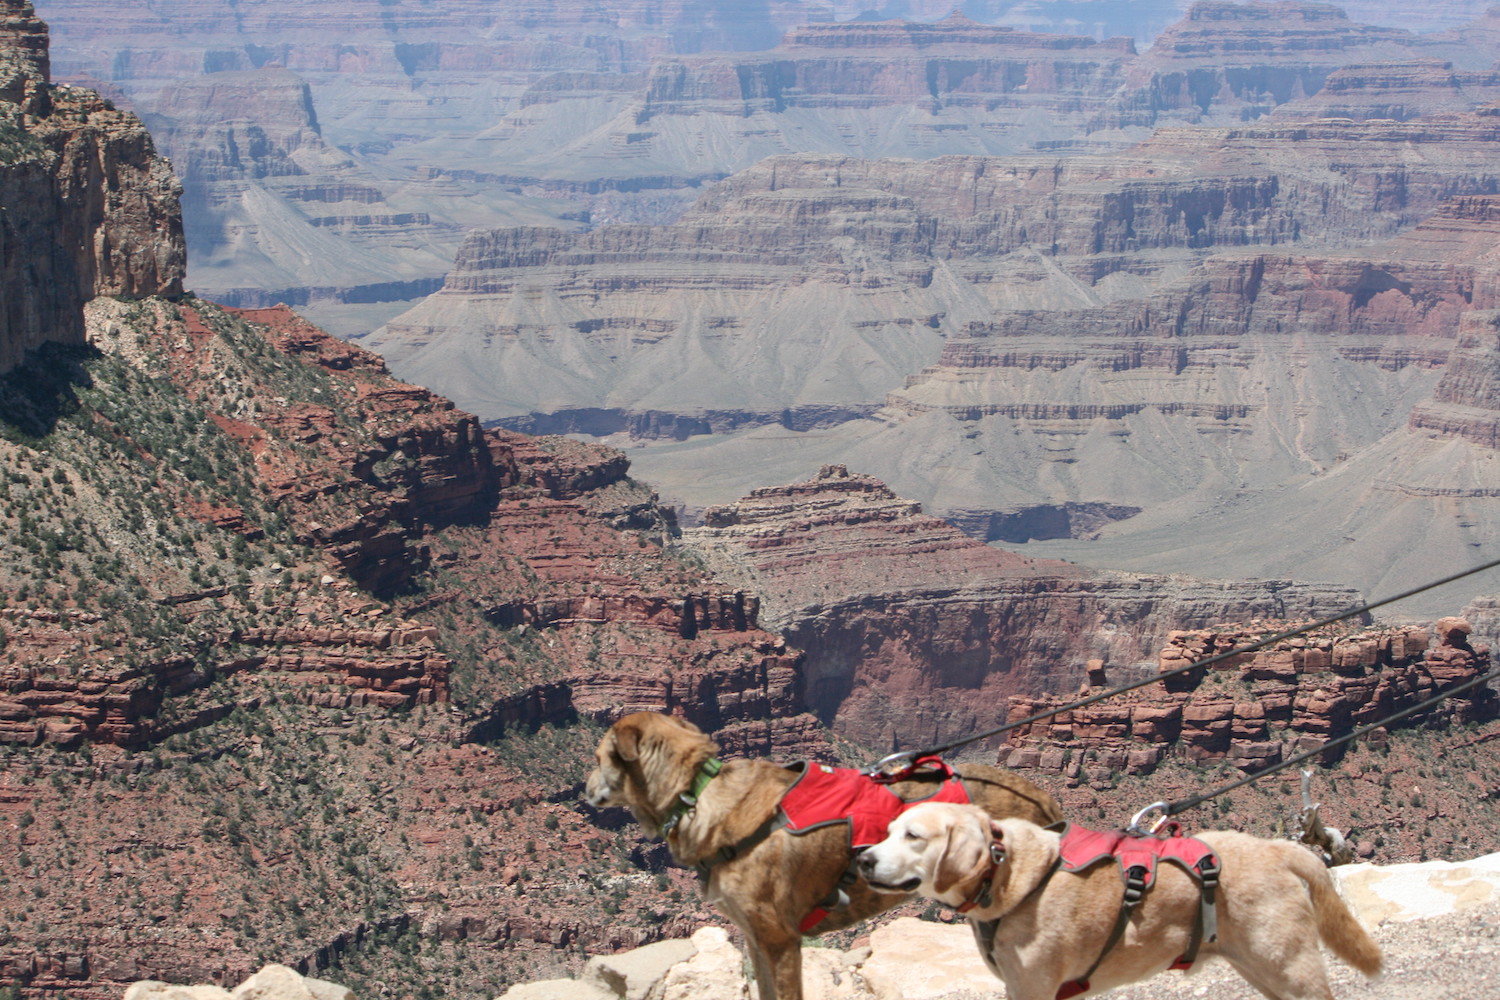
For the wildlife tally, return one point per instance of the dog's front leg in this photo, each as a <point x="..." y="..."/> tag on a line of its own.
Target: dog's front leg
<point x="784" y="956"/>
<point x="775" y="952"/>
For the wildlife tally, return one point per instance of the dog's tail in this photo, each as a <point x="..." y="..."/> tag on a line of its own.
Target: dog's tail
<point x="1338" y="927"/>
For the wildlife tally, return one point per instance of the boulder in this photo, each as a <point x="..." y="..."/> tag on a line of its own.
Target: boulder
<point x="916" y="960"/>
<point x="631" y="975"/>
<point x="1398" y="893"/>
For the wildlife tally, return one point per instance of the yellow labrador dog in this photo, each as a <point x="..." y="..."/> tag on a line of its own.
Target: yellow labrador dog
<point x="765" y="879"/>
<point x="1049" y="926"/>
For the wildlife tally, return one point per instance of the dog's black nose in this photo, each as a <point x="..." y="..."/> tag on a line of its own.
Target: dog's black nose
<point x="865" y="863"/>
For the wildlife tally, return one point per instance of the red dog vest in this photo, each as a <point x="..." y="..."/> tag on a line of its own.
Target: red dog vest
<point x="823" y="795"/>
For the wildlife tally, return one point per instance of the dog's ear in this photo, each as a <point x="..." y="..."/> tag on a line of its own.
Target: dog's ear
<point x="962" y="854"/>
<point x="628" y="739"/>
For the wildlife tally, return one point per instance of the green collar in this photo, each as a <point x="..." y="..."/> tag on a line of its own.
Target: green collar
<point x="689" y="799"/>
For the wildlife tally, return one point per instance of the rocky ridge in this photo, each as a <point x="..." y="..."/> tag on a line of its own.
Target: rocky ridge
<point x="617" y="115"/>
<point x="89" y="209"/>
<point x="1257" y="709"/>
<point x="910" y="627"/>
<point x="239" y="557"/>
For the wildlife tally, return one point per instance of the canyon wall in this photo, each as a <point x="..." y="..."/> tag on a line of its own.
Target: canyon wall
<point x="916" y="634"/>
<point x="429" y="122"/>
<point x="1257" y="709"/>
<point x="88" y="207"/>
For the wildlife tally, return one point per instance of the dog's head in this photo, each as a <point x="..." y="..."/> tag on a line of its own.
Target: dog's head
<point x="645" y="760"/>
<point x="932" y="849"/>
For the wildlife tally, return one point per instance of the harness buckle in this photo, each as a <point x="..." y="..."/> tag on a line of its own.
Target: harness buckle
<point x="1135" y="829"/>
<point x="1135" y="885"/>
<point x="885" y="768"/>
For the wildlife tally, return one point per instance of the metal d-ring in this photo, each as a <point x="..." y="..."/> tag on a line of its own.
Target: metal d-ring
<point x="1135" y="821"/>
<point x="881" y="764"/>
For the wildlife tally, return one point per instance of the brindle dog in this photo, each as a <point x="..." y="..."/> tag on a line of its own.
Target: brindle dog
<point x="647" y="761"/>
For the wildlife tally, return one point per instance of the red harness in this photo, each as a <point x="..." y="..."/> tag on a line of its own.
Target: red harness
<point x="1137" y="856"/>
<point x="823" y="795"/>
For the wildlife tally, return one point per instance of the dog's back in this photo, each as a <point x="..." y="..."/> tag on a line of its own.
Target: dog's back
<point x="1006" y="794"/>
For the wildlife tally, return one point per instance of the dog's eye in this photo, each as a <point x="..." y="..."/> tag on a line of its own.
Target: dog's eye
<point x="912" y="835"/>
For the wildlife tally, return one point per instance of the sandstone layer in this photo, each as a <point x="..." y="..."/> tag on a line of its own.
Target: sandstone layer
<point x="1259" y="708"/>
<point x="429" y="122"/>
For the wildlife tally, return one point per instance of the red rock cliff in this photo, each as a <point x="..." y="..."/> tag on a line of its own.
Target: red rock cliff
<point x="1256" y="709"/>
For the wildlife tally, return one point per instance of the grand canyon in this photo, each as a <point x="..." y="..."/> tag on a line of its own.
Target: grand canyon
<point x="393" y="394"/>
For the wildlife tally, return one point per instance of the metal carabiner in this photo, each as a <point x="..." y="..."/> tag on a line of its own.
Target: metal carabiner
<point x="880" y="765"/>
<point x="1135" y="830"/>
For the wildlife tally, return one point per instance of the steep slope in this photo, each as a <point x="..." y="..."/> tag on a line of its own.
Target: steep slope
<point x="264" y="609"/>
<point x="234" y="547"/>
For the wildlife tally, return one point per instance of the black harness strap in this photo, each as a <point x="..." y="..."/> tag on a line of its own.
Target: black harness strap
<point x="1206" y="927"/>
<point x="705" y="865"/>
<point x="985" y="930"/>
<point x="1135" y="888"/>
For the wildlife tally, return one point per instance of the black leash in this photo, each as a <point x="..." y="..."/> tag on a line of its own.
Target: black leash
<point x="907" y="756"/>
<point x="1169" y="809"/>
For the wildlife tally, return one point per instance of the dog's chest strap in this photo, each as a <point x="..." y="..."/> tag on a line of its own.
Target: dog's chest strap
<point x="1137" y="856"/>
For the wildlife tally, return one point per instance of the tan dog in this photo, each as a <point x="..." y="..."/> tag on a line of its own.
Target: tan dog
<point x="774" y="879"/>
<point x="1276" y="900"/>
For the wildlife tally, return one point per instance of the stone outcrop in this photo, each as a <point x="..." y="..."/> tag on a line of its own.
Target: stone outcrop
<point x="390" y="665"/>
<point x="915" y="633"/>
<point x="942" y="68"/>
<point x="1401" y="91"/>
<point x="251" y="154"/>
<point x="88" y="207"/>
<point x="1226" y="59"/>
<point x="1256" y="709"/>
<point x="272" y="982"/>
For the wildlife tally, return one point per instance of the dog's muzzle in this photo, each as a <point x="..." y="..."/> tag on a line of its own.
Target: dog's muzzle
<point x="596" y="790"/>
<point x="867" y="863"/>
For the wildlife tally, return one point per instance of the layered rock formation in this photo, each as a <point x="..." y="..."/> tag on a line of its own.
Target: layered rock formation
<point x="1257" y="709"/>
<point x="1097" y="346"/>
<point x="88" y="208"/>
<point x="560" y="115"/>
<point x="258" y="173"/>
<point x="300" y="582"/>
<point x="954" y="87"/>
<point x="916" y="634"/>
